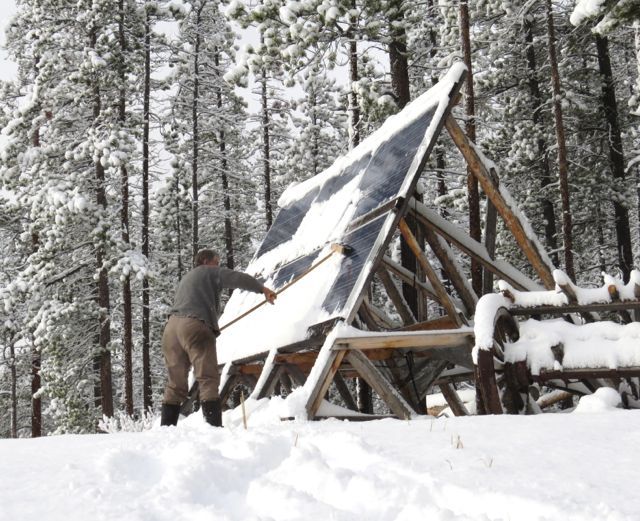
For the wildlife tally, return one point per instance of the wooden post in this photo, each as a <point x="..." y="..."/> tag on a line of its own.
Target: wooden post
<point x="396" y="297"/>
<point x="322" y="385"/>
<point x="453" y="270"/>
<point x="443" y="296"/>
<point x="453" y="400"/>
<point x="374" y="378"/>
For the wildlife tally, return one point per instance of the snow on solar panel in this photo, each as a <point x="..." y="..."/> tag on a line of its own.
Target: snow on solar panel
<point x="333" y="207"/>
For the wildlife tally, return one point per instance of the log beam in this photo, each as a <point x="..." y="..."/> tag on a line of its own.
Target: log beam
<point x="441" y="292"/>
<point x="540" y="263"/>
<point x="374" y="378"/>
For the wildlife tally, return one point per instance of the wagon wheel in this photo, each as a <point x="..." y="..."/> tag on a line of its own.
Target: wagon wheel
<point x="508" y="391"/>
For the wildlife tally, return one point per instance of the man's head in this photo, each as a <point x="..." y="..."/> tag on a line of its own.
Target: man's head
<point x="207" y="258"/>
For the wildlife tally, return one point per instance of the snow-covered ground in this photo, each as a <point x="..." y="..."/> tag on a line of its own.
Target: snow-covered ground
<point x="573" y="466"/>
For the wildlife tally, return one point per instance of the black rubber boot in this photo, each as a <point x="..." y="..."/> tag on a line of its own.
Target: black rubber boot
<point x="212" y="412"/>
<point x="170" y="414"/>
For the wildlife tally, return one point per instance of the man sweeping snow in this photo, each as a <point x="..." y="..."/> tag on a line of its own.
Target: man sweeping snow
<point x="189" y="337"/>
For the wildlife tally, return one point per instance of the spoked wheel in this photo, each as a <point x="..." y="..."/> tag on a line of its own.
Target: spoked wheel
<point x="502" y="386"/>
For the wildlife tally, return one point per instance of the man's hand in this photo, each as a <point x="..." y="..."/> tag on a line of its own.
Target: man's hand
<point x="270" y="295"/>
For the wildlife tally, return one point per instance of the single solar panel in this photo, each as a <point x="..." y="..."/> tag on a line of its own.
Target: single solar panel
<point x="353" y="203"/>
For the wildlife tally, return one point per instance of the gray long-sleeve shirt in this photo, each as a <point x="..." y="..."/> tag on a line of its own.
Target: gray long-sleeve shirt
<point x="198" y="293"/>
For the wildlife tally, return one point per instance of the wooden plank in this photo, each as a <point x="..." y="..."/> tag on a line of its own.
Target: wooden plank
<point x="452" y="268"/>
<point x="591" y="373"/>
<point x="575" y="308"/>
<point x="431" y="325"/>
<point x="395" y="296"/>
<point x="413" y="340"/>
<point x="409" y="277"/>
<point x="374" y="378"/>
<point x="382" y="320"/>
<point x="453" y="400"/>
<point x="441" y="292"/>
<point x="373" y="214"/>
<point x="473" y="248"/>
<point x="298" y="376"/>
<point x="344" y="391"/>
<point x="324" y="381"/>
<point x="306" y="357"/>
<point x="271" y="381"/>
<point x="539" y="262"/>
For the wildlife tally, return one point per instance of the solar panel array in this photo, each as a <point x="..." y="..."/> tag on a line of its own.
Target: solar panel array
<point x="351" y="203"/>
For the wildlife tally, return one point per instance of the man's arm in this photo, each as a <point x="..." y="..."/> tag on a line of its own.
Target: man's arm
<point x="237" y="280"/>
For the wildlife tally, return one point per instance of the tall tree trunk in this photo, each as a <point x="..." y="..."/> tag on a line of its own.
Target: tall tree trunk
<point x="616" y="156"/>
<point x="399" y="68"/>
<point x="354" y="108"/>
<point x="563" y="164"/>
<point x="548" y="210"/>
<point x="178" y="230"/>
<point x="127" y="341"/>
<point x="36" y="401"/>
<point x="315" y="145"/>
<point x="228" y="229"/>
<point x="14" y="387"/>
<point x="398" y="64"/>
<point x="266" y="151"/>
<point x="147" y="391"/>
<point x="439" y="150"/>
<point x="36" y="359"/>
<point x="470" y="128"/>
<point x="103" y="360"/>
<point x="195" y="135"/>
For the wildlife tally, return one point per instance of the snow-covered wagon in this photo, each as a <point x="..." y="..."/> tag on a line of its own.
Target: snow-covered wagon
<point x="358" y="251"/>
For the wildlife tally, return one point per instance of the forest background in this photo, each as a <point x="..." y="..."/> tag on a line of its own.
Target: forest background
<point x="137" y="132"/>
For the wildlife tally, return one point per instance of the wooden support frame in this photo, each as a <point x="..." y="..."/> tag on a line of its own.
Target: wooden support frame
<point x="443" y="296"/>
<point x="344" y="391"/>
<point x="540" y="263"/>
<point x="409" y="277"/>
<point x="453" y="400"/>
<point x="324" y="381"/>
<point x="408" y="340"/>
<point x="270" y="382"/>
<point x="378" y="383"/>
<point x="395" y="296"/>
<point x="454" y="271"/>
<point x="473" y="248"/>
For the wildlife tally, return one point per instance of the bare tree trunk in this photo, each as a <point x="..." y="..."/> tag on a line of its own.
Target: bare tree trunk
<point x="195" y="135"/>
<point x="127" y="341"/>
<point x="14" y="387"/>
<point x="266" y="151"/>
<point x="470" y="128"/>
<point x="103" y="361"/>
<point x="147" y="391"/>
<point x="440" y="158"/>
<point x="354" y="109"/>
<point x="548" y="210"/>
<point x="616" y="156"/>
<point x="398" y="63"/>
<point x="228" y="229"/>
<point x="178" y="230"/>
<point x="563" y="164"/>
<point x="36" y="361"/>
<point x="36" y="401"/>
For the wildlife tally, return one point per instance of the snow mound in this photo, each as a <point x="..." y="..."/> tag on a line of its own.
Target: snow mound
<point x="604" y="399"/>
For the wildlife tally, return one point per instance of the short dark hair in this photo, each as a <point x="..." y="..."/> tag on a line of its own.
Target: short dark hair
<point x="204" y="256"/>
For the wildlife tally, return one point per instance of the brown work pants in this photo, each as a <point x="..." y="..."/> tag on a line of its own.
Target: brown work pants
<point x="189" y="342"/>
